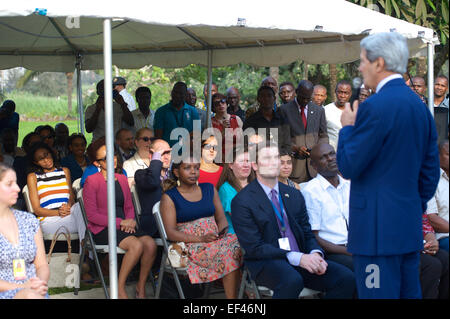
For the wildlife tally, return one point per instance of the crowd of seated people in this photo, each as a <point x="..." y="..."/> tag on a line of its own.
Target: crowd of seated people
<point x="199" y="194"/>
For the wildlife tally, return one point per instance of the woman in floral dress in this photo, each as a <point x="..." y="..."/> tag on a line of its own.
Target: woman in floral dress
<point x="192" y="213"/>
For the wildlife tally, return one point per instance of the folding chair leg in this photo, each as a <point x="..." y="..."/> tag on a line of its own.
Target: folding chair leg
<point x="97" y="265"/>
<point x="160" y="275"/>
<point x="243" y="284"/>
<point x="80" y="265"/>
<point x="177" y="283"/>
<point x="207" y="292"/>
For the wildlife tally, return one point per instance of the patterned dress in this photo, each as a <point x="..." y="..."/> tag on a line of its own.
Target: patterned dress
<point x="206" y="261"/>
<point x="26" y="249"/>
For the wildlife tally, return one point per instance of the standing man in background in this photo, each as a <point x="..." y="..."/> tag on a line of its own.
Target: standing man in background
<point x="119" y="84"/>
<point x="319" y="95"/>
<point x="388" y="148"/>
<point x="333" y="111"/>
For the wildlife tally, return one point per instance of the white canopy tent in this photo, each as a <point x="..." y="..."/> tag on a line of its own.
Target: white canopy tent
<point x="61" y="36"/>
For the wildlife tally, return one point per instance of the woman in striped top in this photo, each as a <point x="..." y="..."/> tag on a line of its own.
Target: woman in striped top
<point x="50" y="192"/>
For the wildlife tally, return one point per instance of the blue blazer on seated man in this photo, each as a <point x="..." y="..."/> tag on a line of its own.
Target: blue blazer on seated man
<point x="257" y="221"/>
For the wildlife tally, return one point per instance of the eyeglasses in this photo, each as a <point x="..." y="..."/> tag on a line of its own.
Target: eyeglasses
<point x="216" y="103"/>
<point x="47" y="136"/>
<point x="101" y="159"/>
<point x="210" y="146"/>
<point x="146" y="138"/>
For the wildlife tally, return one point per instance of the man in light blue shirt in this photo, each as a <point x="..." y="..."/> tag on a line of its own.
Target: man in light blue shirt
<point x="175" y="114"/>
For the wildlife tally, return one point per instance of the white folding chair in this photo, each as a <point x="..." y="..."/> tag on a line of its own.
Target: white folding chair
<point x="76" y="185"/>
<point x="136" y="204"/>
<point x="165" y="261"/>
<point x="26" y="195"/>
<point x="89" y="244"/>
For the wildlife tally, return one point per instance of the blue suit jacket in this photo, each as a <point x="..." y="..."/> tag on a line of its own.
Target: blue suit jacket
<point x="391" y="157"/>
<point x="256" y="227"/>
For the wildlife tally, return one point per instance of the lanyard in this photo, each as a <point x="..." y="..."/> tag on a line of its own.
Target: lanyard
<point x="280" y="215"/>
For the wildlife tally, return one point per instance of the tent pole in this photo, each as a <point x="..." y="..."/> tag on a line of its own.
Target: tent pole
<point x="431" y="77"/>
<point x="79" y="95"/>
<point x="208" y="118"/>
<point x="109" y="133"/>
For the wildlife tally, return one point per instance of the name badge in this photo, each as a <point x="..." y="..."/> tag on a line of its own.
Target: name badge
<point x="19" y="269"/>
<point x="284" y="243"/>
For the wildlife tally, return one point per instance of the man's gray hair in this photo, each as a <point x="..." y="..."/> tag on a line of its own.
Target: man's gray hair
<point x="391" y="46"/>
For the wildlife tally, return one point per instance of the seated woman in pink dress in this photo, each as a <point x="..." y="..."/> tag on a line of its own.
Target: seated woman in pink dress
<point x="193" y="214"/>
<point x="138" y="245"/>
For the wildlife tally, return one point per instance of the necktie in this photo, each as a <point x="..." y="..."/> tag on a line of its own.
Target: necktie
<point x="274" y="198"/>
<point x="302" y="110"/>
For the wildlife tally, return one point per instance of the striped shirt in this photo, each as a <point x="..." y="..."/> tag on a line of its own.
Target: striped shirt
<point x="53" y="189"/>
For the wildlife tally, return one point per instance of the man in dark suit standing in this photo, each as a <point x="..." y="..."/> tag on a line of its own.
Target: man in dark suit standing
<point x="281" y="252"/>
<point x="388" y="148"/>
<point x="308" y="127"/>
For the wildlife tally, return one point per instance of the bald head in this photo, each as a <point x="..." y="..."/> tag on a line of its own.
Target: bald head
<point x="304" y="92"/>
<point x="323" y="160"/>
<point x="270" y="81"/>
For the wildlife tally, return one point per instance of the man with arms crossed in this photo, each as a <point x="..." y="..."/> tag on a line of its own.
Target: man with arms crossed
<point x="387" y="147"/>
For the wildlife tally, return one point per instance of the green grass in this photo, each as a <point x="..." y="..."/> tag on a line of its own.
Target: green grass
<point x="41" y="107"/>
<point x="62" y="290"/>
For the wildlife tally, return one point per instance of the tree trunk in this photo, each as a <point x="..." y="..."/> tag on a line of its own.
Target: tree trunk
<point x="274" y="72"/>
<point x="440" y="58"/>
<point x="333" y="81"/>
<point x="422" y="67"/>
<point x="305" y="70"/>
<point x="69" y="76"/>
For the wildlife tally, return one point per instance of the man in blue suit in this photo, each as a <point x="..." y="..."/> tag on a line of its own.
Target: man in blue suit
<point x="281" y="252"/>
<point x="388" y="148"/>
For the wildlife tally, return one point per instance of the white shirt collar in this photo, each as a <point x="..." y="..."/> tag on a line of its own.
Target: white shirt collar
<point x="443" y="174"/>
<point x="324" y="183"/>
<point x="386" y="80"/>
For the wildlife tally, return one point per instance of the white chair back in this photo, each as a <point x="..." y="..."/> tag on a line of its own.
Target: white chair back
<point x="26" y="195"/>
<point x="76" y="185"/>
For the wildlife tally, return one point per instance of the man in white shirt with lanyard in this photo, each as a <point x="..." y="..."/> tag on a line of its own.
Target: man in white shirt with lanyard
<point x="327" y="199"/>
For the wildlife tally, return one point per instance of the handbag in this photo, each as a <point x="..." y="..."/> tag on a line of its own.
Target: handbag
<point x="64" y="267"/>
<point x="178" y="255"/>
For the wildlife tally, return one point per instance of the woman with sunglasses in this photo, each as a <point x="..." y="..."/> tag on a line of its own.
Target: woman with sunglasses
<point x="47" y="134"/>
<point x="222" y="121"/>
<point x="141" y="159"/>
<point x="51" y="195"/>
<point x="209" y="171"/>
<point x="138" y="245"/>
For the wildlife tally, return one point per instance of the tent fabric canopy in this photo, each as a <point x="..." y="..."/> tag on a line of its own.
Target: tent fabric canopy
<point x="176" y="33"/>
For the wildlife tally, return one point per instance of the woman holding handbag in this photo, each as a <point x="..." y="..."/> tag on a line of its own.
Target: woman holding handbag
<point x="24" y="271"/>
